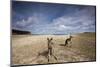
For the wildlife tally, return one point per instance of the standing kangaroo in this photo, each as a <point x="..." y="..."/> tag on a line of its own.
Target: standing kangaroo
<point x="50" y="50"/>
<point x="68" y="40"/>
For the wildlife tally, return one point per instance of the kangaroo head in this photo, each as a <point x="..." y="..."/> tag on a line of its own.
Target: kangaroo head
<point x="71" y="36"/>
<point x="49" y="39"/>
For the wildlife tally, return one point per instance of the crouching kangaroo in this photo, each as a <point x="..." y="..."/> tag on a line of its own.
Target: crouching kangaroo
<point x="68" y="40"/>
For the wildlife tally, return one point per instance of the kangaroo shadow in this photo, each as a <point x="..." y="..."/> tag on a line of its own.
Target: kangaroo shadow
<point x="65" y="45"/>
<point x="62" y="44"/>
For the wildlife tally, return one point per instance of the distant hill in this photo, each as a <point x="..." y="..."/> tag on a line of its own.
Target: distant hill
<point x="88" y="34"/>
<point x="20" y="32"/>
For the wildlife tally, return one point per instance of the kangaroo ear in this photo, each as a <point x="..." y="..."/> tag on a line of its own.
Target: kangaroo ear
<point x="51" y="39"/>
<point x="71" y="36"/>
<point x="47" y="38"/>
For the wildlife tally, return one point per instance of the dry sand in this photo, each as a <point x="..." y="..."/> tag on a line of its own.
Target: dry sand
<point x="25" y="49"/>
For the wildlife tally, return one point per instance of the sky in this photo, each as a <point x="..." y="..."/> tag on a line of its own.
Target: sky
<point x="46" y="18"/>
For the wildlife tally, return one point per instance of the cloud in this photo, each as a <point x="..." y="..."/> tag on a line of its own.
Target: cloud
<point x="30" y="22"/>
<point x="81" y="20"/>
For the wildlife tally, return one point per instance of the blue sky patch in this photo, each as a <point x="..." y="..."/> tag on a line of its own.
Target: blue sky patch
<point x="46" y="18"/>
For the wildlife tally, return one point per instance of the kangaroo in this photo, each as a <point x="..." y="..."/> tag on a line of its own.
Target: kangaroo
<point x="50" y="50"/>
<point x="68" y="40"/>
<point x="50" y="45"/>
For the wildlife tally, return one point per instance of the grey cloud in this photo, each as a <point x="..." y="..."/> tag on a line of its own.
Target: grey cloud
<point x="80" y="21"/>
